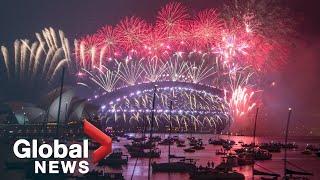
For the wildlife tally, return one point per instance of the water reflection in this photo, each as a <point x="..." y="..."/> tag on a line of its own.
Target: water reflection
<point x="202" y="157"/>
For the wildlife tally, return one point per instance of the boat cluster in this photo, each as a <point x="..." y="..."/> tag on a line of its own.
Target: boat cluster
<point x="195" y="144"/>
<point x="277" y="146"/>
<point x="310" y="149"/>
<point x="143" y="149"/>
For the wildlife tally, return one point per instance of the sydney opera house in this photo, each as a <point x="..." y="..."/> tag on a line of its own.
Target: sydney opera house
<point x="71" y="110"/>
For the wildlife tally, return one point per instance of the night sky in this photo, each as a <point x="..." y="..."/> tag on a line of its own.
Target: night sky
<point x="297" y="85"/>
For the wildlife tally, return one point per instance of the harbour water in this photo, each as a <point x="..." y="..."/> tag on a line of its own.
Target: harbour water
<point x="310" y="163"/>
<point x="137" y="169"/>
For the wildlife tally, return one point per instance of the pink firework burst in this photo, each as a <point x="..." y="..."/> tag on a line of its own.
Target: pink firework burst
<point x="268" y="27"/>
<point x="109" y="42"/>
<point x="206" y="28"/>
<point x="132" y="33"/>
<point x="156" y="44"/>
<point x="262" y="53"/>
<point x="245" y="34"/>
<point x="173" y="20"/>
<point x="232" y="43"/>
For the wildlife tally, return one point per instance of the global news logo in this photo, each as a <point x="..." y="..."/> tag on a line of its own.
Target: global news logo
<point x="62" y="158"/>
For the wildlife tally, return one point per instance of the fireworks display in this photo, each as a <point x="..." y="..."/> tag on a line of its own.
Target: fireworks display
<point x="242" y="33"/>
<point x="32" y="67"/>
<point x="231" y="49"/>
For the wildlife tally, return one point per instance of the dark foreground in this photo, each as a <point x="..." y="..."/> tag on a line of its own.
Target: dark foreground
<point x="137" y="168"/>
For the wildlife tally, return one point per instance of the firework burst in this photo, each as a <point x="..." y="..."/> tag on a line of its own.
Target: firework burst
<point x="199" y="72"/>
<point x="240" y="93"/>
<point x="109" y="41"/>
<point x="173" y="20"/>
<point x="154" y="69"/>
<point x="31" y="62"/>
<point x="241" y="102"/>
<point x="104" y="78"/>
<point x="32" y="67"/>
<point x="206" y="29"/>
<point x="268" y="29"/>
<point x="176" y="68"/>
<point x="130" y="71"/>
<point x="244" y="34"/>
<point x="132" y="33"/>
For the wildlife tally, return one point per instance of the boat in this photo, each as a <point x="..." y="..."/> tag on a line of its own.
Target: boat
<point x="257" y="153"/>
<point x="290" y="146"/>
<point x="231" y="142"/>
<point x="189" y="150"/>
<point x="312" y="148"/>
<point x="292" y="173"/>
<point x="140" y="153"/>
<point x="227" y="146"/>
<point x="276" y="146"/>
<point x="224" y="166"/>
<point x="241" y="150"/>
<point x="215" y="142"/>
<point x="175" y="138"/>
<point x="180" y="141"/>
<point x="191" y="138"/>
<point x="166" y="142"/>
<point x="209" y="174"/>
<point x="195" y="142"/>
<point x="271" y="147"/>
<point x="115" y="159"/>
<point x="288" y="173"/>
<point x="139" y="145"/>
<point x="180" y="144"/>
<point x="198" y="147"/>
<point x="172" y="156"/>
<point x="247" y="145"/>
<point x="220" y="142"/>
<point x="261" y="154"/>
<point x="306" y="152"/>
<point x="245" y="159"/>
<point x="134" y="139"/>
<point x="184" y="165"/>
<point x="270" y="175"/>
<point x="232" y="160"/>
<point x="155" y="139"/>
